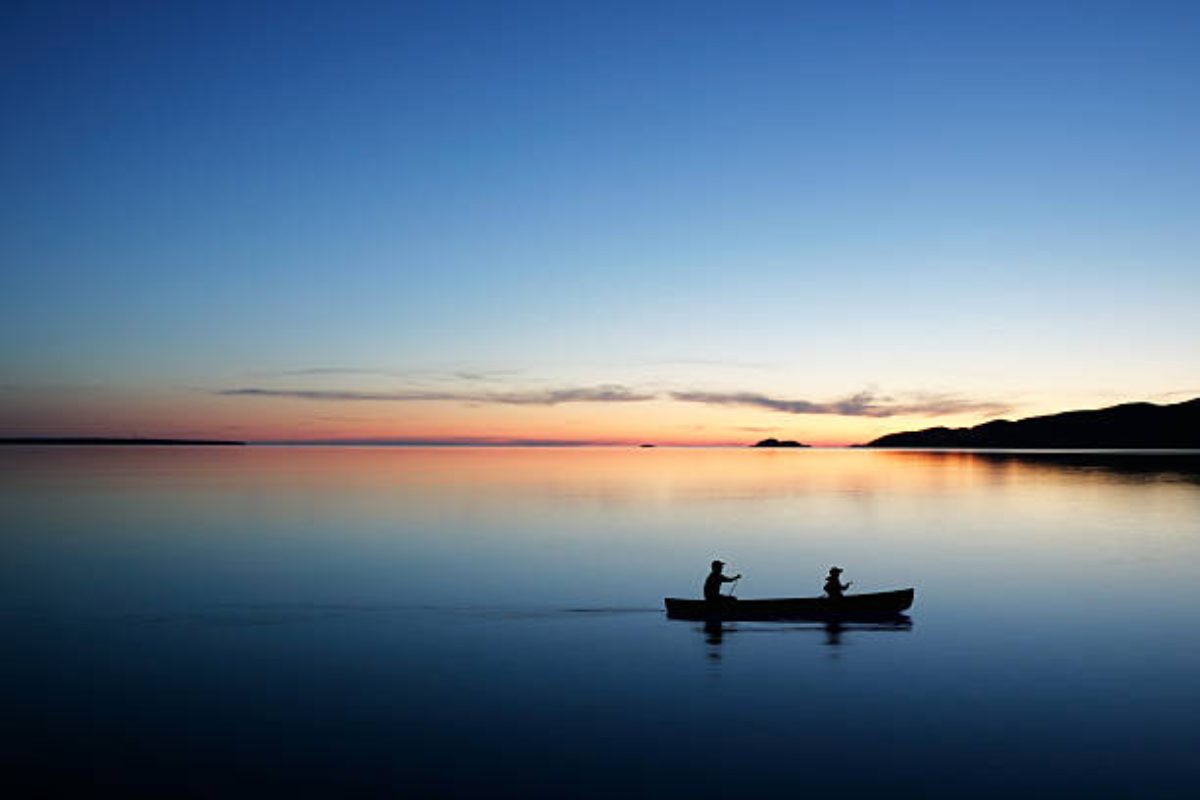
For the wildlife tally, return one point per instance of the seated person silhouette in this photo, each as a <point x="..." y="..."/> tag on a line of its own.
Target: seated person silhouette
<point x="833" y="584"/>
<point x="712" y="584"/>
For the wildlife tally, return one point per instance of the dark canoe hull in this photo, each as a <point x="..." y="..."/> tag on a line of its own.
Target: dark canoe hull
<point x="879" y="605"/>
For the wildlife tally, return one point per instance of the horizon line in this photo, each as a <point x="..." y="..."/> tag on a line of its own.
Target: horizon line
<point x="379" y="442"/>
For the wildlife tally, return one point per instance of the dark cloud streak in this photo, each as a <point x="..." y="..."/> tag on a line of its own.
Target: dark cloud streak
<point x="863" y="404"/>
<point x="543" y="397"/>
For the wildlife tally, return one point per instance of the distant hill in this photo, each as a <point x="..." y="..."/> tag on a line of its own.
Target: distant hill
<point x="118" y="442"/>
<point x="779" y="443"/>
<point x="1132" y="425"/>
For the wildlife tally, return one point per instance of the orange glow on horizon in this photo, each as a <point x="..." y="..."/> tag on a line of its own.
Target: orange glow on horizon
<point x="196" y="414"/>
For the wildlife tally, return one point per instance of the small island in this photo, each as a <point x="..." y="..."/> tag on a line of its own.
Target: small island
<point x="779" y="443"/>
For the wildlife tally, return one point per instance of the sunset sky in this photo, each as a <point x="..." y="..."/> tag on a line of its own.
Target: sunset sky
<point x="556" y="222"/>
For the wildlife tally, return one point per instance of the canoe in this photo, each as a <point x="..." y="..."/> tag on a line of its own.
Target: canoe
<point x="877" y="605"/>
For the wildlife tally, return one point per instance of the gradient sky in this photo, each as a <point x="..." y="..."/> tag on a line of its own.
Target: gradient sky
<point x="675" y="222"/>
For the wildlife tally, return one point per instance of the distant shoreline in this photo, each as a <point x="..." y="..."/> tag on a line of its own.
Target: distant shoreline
<point x="1168" y="452"/>
<point x="101" y="441"/>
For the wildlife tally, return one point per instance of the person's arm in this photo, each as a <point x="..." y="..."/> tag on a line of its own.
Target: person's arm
<point x="727" y="579"/>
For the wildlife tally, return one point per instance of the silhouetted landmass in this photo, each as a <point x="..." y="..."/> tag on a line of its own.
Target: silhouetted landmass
<point x="646" y="445"/>
<point x="109" y="442"/>
<point x="1128" y="426"/>
<point x="779" y="443"/>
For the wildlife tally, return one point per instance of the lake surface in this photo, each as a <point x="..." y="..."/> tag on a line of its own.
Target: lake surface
<point x="487" y="622"/>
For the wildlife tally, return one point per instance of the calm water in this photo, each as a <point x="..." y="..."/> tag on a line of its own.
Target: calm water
<point x="423" y="622"/>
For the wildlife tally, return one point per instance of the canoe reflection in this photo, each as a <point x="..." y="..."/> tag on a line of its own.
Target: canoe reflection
<point x="715" y="631"/>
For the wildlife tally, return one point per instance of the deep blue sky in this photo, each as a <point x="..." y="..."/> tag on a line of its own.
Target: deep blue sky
<point x="995" y="201"/>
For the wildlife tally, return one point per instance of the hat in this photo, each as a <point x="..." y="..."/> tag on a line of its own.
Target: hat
<point x="716" y="564"/>
<point x="834" y="570"/>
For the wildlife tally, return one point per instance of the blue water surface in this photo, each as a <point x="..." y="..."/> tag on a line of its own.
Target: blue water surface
<point x="471" y="622"/>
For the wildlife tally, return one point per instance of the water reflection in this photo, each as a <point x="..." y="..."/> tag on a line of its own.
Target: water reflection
<point x="292" y="621"/>
<point x="835" y="630"/>
<point x="714" y="635"/>
<point x="1144" y="466"/>
<point x="715" y="631"/>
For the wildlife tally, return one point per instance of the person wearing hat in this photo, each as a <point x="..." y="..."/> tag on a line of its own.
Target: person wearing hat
<point x="833" y="584"/>
<point x="712" y="584"/>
